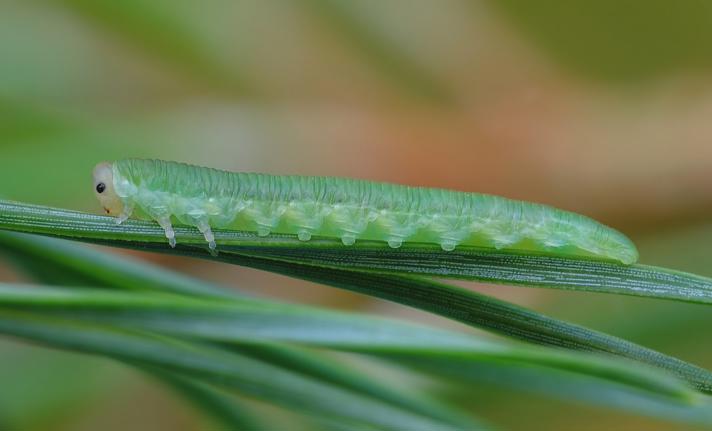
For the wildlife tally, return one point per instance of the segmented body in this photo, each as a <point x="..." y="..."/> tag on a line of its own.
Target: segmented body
<point x="355" y="209"/>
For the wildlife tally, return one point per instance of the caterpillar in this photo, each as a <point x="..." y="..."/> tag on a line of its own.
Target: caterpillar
<point x="347" y="209"/>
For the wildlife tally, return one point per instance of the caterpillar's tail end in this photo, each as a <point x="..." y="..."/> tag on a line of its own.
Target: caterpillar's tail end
<point x="623" y="249"/>
<point x="629" y="257"/>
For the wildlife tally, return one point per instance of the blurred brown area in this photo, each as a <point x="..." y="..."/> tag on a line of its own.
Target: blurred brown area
<point x="597" y="107"/>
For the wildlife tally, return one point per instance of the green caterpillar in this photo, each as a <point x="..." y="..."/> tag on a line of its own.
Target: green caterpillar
<point x="346" y="209"/>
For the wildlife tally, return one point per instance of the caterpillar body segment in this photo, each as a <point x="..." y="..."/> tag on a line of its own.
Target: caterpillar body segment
<point x="346" y="209"/>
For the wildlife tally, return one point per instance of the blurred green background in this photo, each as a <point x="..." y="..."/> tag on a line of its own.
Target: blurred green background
<point x="597" y="107"/>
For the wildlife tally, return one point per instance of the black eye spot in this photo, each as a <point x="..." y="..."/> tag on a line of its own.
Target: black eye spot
<point x="100" y="188"/>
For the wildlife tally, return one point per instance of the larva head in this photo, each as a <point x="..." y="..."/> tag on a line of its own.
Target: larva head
<point x="104" y="189"/>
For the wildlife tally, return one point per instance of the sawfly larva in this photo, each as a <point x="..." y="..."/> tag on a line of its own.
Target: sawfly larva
<point x="346" y="209"/>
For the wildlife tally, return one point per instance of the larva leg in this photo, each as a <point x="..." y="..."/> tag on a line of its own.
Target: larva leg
<point x="504" y="241"/>
<point x="165" y="223"/>
<point x="450" y="240"/>
<point x="448" y="245"/>
<point x="348" y="238"/>
<point x="263" y="230"/>
<point x="125" y="212"/>
<point x="395" y="242"/>
<point x="204" y="228"/>
<point x="304" y="235"/>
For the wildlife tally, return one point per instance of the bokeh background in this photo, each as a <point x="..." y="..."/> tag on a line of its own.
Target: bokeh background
<point x="601" y="107"/>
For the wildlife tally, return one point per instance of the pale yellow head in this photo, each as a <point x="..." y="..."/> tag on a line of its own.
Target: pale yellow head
<point x="104" y="189"/>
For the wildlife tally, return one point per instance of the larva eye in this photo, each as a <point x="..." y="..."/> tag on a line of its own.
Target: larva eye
<point x="100" y="188"/>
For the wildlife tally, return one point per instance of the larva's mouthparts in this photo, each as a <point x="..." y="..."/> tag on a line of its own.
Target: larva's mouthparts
<point x="103" y="177"/>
